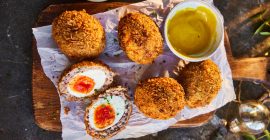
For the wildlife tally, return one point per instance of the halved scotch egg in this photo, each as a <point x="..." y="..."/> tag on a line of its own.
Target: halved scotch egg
<point x="108" y="114"/>
<point x="84" y="79"/>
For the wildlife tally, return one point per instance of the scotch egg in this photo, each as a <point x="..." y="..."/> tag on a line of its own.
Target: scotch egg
<point x="84" y="79"/>
<point x="108" y="114"/>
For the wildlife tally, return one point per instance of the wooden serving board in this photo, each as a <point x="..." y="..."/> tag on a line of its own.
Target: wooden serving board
<point x="46" y="101"/>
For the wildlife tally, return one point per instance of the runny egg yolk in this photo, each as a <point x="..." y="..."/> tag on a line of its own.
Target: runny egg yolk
<point x="82" y="84"/>
<point x="104" y="116"/>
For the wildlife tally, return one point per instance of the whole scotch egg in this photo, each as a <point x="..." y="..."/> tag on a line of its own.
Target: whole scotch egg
<point x="84" y="79"/>
<point x="108" y="114"/>
<point x="159" y="98"/>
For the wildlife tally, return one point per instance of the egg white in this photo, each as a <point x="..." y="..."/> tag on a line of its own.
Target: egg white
<point x="98" y="76"/>
<point x="116" y="102"/>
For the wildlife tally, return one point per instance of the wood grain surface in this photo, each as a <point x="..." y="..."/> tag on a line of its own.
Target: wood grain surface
<point x="248" y="69"/>
<point x="46" y="101"/>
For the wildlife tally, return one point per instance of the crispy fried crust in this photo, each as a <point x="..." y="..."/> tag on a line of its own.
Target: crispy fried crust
<point x="140" y="38"/>
<point x="201" y="82"/>
<point x="110" y="132"/>
<point x="78" y="34"/>
<point x="69" y="72"/>
<point x="159" y="98"/>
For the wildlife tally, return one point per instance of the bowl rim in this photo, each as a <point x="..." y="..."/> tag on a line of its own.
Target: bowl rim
<point x="219" y="17"/>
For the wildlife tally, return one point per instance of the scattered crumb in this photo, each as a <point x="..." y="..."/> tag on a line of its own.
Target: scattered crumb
<point x="67" y="109"/>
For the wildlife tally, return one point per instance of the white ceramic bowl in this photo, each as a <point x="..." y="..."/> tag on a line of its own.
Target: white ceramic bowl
<point x="219" y="28"/>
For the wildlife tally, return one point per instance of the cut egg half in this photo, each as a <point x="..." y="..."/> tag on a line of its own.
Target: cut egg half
<point x="86" y="83"/>
<point x="106" y="112"/>
<point x="109" y="113"/>
<point x="85" y="79"/>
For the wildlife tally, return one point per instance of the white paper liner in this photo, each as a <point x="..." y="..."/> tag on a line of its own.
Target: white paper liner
<point x="54" y="62"/>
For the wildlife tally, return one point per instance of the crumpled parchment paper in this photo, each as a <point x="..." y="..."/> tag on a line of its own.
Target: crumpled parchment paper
<point x="54" y="62"/>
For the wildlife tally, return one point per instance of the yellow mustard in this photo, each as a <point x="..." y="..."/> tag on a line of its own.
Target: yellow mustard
<point x="192" y="31"/>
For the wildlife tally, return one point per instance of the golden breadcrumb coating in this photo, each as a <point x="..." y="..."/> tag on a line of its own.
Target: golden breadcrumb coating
<point x="89" y="64"/>
<point x="201" y="82"/>
<point x="78" y="34"/>
<point x="159" y="98"/>
<point x="140" y="38"/>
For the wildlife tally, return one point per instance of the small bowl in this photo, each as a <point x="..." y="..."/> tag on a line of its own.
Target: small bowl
<point x="219" y="28"/>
